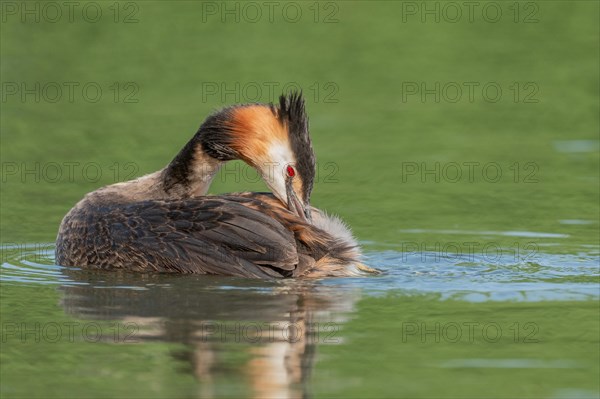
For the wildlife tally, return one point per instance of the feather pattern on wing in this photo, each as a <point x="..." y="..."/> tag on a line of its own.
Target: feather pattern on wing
<point x="246" y="235"/>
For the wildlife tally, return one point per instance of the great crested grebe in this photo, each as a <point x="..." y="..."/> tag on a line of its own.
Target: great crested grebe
<point x="164" y="222"/>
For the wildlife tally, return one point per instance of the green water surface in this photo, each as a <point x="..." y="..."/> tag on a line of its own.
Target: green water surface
<point x="481" y="208"/>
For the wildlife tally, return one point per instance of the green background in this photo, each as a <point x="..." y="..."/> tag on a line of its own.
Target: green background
<point x="156" y="63"/>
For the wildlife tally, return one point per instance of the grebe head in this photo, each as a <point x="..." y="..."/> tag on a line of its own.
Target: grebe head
<point x="273" y="139"/>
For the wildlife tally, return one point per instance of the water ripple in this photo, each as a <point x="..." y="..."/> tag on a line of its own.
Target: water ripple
<point x="473" y="278"/>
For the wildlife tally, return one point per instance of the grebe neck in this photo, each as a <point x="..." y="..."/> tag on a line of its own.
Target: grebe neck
<point x="189" y="174"/>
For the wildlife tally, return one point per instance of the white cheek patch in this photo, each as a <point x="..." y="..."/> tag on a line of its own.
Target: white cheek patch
<point x="280" y="156"/>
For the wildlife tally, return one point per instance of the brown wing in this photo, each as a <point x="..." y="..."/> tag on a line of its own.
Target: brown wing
<point x="209" y="235"/>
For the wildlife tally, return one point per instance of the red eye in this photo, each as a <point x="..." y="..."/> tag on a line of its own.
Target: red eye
<point x="290" y="171"/>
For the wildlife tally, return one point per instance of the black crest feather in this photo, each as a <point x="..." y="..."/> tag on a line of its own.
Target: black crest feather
<point x="292" y="112"/>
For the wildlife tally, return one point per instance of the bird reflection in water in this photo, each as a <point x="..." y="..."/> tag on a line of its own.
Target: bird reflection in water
<point x="271" y="328"/>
